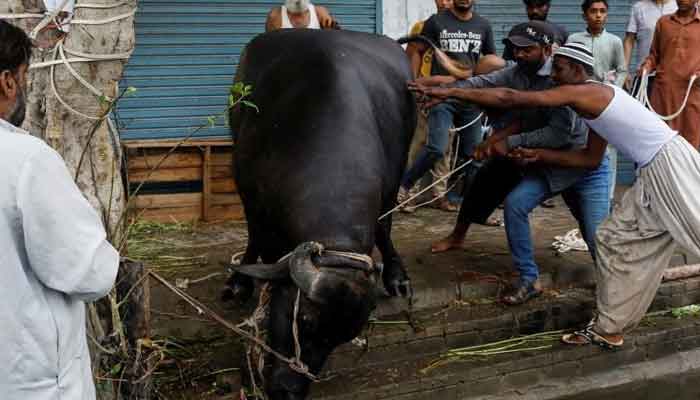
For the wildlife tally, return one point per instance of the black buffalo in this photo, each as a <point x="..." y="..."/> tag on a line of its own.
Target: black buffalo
<point x="320" y="162"/>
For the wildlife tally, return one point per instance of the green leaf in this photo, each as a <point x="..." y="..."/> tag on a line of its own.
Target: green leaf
<point x="237" y="88"/>
<point x="131" y="90"/>
<point x="211" y="121"/>
<point x="116" y="369"/>
<point x="251" y="105"/>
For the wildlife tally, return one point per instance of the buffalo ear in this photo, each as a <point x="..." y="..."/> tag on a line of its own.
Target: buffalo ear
<point x="264" y="271"/>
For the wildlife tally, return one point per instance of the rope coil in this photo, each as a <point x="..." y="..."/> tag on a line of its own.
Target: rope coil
<point x="643" y="96"/>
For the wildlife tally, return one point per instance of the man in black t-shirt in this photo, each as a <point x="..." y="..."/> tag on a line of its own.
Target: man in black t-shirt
<point x="464" y="36"/>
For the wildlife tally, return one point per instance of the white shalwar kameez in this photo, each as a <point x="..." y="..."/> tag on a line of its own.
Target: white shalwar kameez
<point x="54" y="257"/>
<point x="634" y="245"/>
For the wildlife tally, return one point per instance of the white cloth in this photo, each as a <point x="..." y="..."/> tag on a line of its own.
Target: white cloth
<point x="631" y="128"/>
<point x="313" y="18"/>
<point x="54" y="257"/>
<point x="635" y="244"/>
<point x="642" y="22"/>
<point x="52" y="5"/>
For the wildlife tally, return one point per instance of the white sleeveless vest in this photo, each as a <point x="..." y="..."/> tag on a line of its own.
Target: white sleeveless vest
<point x="631" y="128"/>
<point x="313" y="18"/>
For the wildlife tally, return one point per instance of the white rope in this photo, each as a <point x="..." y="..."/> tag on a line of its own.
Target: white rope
<point x="643" y="96"/>
<point x="82" y="57"/>
<point x="103" y="21"/>
<point x="101" y="6"/>
<point x="20" y="16"/>
<point x="478" y="117"/>
<point x="52" y="79"/>
<point x="77" y="76"/>
<point x="572" y="240"/>
<point x="447" y="175"/>
<point x="47" y="19"/>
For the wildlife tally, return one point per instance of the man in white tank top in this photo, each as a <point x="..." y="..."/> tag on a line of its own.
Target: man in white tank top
<point x="662" y="210"/>
<point x="299" y="14"/>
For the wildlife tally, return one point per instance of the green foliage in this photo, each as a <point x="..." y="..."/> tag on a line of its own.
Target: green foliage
<point x="692" y="310"/>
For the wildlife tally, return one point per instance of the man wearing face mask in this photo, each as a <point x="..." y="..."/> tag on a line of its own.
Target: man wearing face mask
<point x="523" y="188"/>
<point x="54" y="253"/>
<point x="299" y="14"/>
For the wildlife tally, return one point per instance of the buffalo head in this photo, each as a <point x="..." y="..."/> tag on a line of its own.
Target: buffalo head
<point x="337" y="297"/>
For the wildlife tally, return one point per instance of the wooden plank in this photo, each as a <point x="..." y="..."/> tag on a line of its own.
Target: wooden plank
<point x="223" y="185"/>
<point x="222" y="172"/>
<point x="231" y="212"/>
<point x="181" y="159"/>
<point x="166" y="175"/>
<point x="170" y="214"/>
<point x="194" y="142"/>
<point x="168" y="201"/>
<point x="222" y="159"/>
<point x="225" y="199"/>
<point x="206" y="183"/>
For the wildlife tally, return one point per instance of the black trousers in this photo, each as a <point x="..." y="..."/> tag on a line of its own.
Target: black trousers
<point x="487" y="188"/>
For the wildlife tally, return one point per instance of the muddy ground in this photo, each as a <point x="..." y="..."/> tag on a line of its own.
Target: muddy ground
<point x="202" y="358"/>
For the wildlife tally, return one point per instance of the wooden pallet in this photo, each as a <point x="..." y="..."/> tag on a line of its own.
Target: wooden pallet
<point x="209" y="162"/>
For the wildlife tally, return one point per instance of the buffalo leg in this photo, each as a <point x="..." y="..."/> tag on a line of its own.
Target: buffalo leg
<point x="394" y="276"/>
<point x="240" y="287"/>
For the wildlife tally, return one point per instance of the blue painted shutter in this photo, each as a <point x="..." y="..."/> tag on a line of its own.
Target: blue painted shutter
<point x="187" y="53"/>
<point x="503" y="14"/>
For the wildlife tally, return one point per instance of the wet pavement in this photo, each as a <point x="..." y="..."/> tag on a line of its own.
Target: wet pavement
<point x="455" y="305"/>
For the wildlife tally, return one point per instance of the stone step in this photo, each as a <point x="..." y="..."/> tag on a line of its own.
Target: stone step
<point x="404" y="376"/>
<point x="395" y="353"/>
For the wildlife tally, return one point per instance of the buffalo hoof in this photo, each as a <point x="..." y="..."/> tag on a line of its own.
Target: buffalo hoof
<point x="238" y="292"/>
<point x="398" y="287"/>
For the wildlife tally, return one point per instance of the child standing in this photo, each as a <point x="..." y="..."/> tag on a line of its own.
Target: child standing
<point x="609" y="56"/>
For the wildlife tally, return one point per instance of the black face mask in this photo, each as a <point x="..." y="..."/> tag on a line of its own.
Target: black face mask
<point x="528" y="66"/>
<point x="18" y="113"/>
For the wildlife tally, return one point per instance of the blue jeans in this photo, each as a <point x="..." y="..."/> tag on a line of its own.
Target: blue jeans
<point x="441" y="118"/>
<point x="589" y="202"/>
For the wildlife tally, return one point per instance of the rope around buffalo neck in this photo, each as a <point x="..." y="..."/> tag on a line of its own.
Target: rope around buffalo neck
<point x="294" y="363"/>
<point x="643" y="96"/>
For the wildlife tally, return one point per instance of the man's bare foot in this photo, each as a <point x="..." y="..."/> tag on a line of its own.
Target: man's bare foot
<point x="451" y="242"/>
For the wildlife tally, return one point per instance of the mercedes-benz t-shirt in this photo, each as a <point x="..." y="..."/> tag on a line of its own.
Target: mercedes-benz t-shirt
<point x="464" y="41"/>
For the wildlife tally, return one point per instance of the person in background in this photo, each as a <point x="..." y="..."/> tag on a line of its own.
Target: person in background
<point x="522" y="188"/>
<point x="675" y="56"/>
<point x="55" y="256"/>
<point x="299" y="14"/>
<point x="538" y="10"/>
<point x="640" y="30"/>
<point x="610" y="65"/>
<point x="464" y="36"/>
<point x="441" y="167"/>
<point x="659" y="213"/>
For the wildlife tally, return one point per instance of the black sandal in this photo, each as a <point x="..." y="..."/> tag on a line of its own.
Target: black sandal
<point x="589" y="336"/>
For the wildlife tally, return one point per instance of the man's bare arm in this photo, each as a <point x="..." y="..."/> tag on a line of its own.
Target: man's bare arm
<point x="588" y="157"/>
<point x="587" y="99"/>
<point x="415" y="51"/>
<point x="325" y="19"/>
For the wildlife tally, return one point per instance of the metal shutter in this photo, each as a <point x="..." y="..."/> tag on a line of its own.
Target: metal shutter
<point x="186" y="54"/>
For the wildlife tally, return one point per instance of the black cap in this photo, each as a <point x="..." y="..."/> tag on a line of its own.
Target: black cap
<point x="530" y="33"/>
